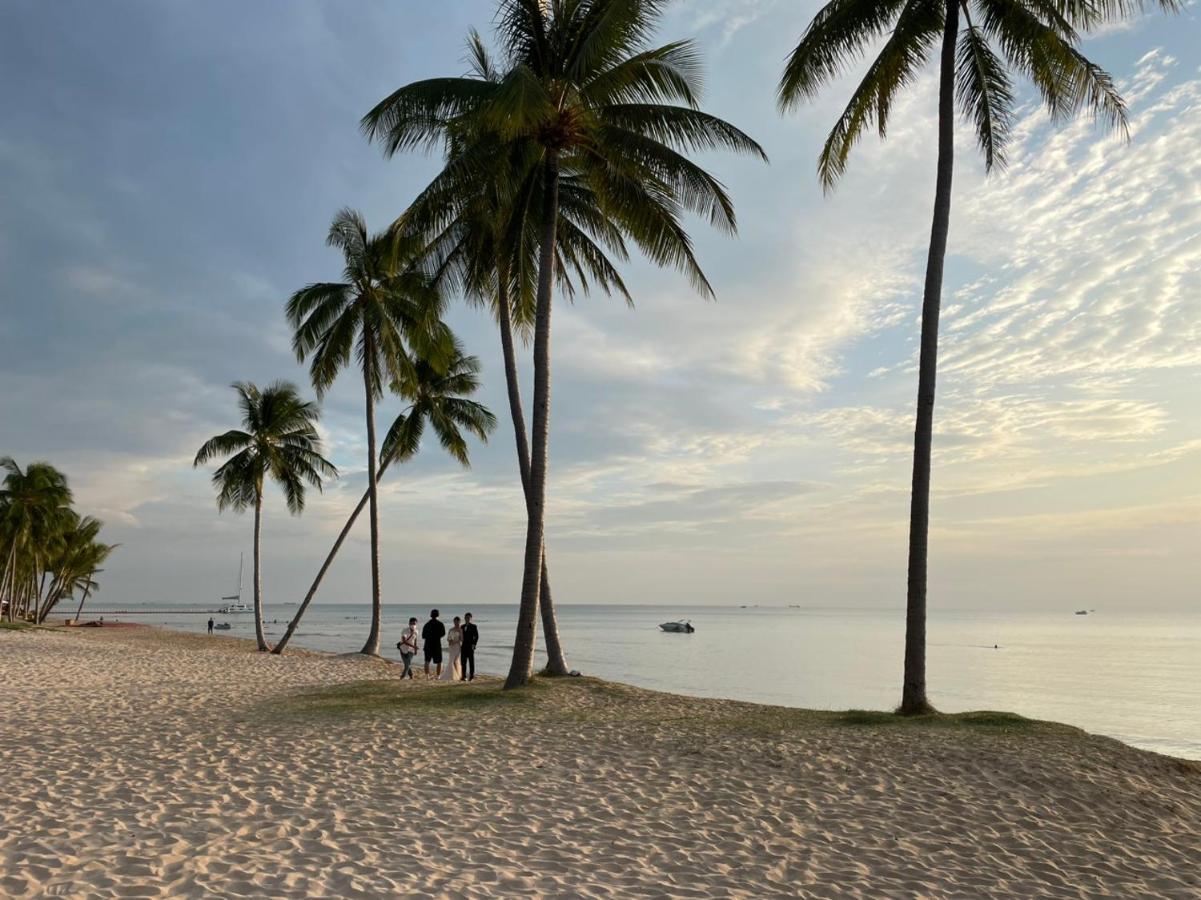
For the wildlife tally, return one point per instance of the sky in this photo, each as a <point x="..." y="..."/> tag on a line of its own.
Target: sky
<point x="168" y="171"/>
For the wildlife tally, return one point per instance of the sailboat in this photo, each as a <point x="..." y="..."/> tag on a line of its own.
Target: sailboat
<point x="237" y="606"/>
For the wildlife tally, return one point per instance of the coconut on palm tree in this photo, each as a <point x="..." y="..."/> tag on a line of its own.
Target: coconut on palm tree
<point x="437" y="398"/>
<point x="383" y="314"/>
<point x="593" y="100"/>
<point x="278" y="440"/>
<point x="1037" y="40"/>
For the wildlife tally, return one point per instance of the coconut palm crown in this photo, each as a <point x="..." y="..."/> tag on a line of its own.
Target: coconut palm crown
<point x="278" y="441"/>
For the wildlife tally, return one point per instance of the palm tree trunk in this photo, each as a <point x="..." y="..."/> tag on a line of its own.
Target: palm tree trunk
<point x="556" y="662"/>
<point x="8" y="581"/>
<point x="531" y="579"/>
<point x="258" y="570"/>
<point x="53" y="596"/>
<point x="913" y="696"/>
<point x="83" y="598"/>
<point x="372" y="645"/>
<point x="308" y="598"/>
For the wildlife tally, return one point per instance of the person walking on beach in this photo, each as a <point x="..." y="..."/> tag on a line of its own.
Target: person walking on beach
<point x="407" y="645"/>
<point x="210" y="625"/>
<point x="431" y="636"/>
<point x="454" y="640"/>
<point x="471" y="637"/>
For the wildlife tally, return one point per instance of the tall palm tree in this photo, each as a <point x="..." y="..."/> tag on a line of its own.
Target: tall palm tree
<point x="1037" y="39"/>
<point x="585" y="90"/>
<point x="35" y="508"/>
<point x="439" y="398"/>
<point x="278" y="439"/>
<point x="384" y="313"/>
<point x="484" y="241"/>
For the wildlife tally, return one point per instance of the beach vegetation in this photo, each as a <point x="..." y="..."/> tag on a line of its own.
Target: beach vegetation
<point x="582" y="90"/>
<point x="278" y="440"/>
<point x="384" y="315"/>
<point x="48" y="552"/>
<point x="981" y="46"/>
<point x="482" y="241"/>
<point x="440" y="401"/>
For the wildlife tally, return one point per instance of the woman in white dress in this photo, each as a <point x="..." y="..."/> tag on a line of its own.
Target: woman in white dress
<point x="454" y="640"/>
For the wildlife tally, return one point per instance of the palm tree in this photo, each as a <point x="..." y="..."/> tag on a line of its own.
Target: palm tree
<point x="35" y="508"/>
<point x="1037" y="39"/>
<point x="382" y="314"/>
<point x="439" y="398"/>
<point x="484" y="243"/>
<point x="77" y="556"/>
<point x="279" y="439"/>
<point x="585" y="91"/>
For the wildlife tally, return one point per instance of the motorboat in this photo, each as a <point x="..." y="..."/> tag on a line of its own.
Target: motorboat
<point x="222" y="626"/>
<point x="679" y="627"/>
<point x="1082" y="612"/>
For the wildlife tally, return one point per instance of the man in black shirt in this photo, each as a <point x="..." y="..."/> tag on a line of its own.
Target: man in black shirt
<point x="431" y="636"/>
<point x="471" y="637"/>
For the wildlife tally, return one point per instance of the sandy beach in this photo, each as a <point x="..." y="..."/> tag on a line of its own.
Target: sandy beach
<point x="145" y="763"/>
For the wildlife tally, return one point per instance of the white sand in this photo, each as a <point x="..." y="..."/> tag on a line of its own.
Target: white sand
<point x="146" y="764"/>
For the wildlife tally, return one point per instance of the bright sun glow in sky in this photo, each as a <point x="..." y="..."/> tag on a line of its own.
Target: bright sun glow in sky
<point x="167" y="175"/>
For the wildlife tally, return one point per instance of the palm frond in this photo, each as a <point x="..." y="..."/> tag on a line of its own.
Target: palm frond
<point x="838" y="35"/>
<point x="917" y="30"/>
<point x="984" y="92"/>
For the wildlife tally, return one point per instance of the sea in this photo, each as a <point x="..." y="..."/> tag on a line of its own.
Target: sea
<point x="1132" y="676"/>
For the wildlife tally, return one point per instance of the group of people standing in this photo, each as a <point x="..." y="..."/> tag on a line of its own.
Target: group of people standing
<point x="460" y="639"/>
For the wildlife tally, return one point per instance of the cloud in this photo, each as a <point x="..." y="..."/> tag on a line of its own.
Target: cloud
<point x="699" y="450"/>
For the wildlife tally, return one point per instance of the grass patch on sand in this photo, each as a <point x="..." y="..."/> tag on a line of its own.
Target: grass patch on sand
<point x="579" y="700"/>
<point x="776" y="720"/>
<point x="15" y="626"/>
<point x="399" y="696"/>
<point x="550" y="696"/>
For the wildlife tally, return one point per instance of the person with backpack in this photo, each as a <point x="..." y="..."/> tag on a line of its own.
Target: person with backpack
<point x="407" y="645"/>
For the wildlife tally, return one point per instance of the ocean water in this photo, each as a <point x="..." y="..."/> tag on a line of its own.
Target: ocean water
<point x="1132" y="676"/>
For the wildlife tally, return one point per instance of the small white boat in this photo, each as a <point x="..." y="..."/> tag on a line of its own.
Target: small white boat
<point x="222" y="626"/>
<point x="681" y="626"/>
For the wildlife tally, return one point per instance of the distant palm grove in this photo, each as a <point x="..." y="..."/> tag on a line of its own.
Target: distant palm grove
<point x="568" y="143"/>
<point x="50" y="552"/>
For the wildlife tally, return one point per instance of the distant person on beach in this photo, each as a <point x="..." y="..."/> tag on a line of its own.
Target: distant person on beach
<point x="454" y="640"/>
<point x="407" y="645"/>
<point x="471" y="637"/>
<point x="210" y="626"/>
<point x="431" y="636"/>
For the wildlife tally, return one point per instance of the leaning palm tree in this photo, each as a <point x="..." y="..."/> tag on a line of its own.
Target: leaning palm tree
<point x="436" y="397"/>
<point x="384" y="313"/>
<point x="78" y="554"/>
<point x="1037" y="39"/>
<point x="585" y="90"/>
<point x="278" y="439"/>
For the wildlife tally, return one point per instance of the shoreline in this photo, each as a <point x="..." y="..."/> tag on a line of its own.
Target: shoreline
<point x="1147" y="741"/>
<point x="168" y="764"/>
